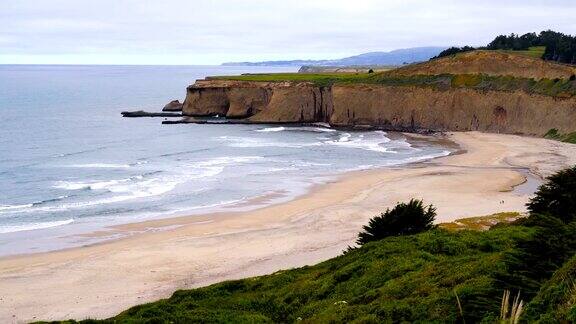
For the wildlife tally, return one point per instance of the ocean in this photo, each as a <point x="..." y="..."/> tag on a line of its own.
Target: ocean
<point x="71" y="165"/>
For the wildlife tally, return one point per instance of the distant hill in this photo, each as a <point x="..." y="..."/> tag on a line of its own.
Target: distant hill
<point x="396" y="57"/>
<point x="497" y="63"/>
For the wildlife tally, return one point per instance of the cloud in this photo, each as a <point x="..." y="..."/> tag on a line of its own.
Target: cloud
<point x="209" y="32"/>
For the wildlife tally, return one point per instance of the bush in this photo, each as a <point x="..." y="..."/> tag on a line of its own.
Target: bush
<point x="557" y="197"/>
<point x="454" y="50"/>
<point x="403" y="219"/>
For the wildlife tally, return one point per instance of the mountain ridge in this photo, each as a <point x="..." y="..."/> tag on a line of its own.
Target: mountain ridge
<point x="395" y="57"/>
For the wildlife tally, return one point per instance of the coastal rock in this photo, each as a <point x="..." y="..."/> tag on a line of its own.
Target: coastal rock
<point x="403" y="108"/>
<point x="174" y="105"/>
<point x="142" y="113"/>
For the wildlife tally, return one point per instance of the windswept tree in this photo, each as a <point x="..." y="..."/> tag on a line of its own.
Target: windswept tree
<point x="403" y="219"/>
<point x="557" y="197"/>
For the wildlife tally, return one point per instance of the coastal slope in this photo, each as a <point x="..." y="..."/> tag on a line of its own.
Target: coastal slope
<point x="491" y="63"/>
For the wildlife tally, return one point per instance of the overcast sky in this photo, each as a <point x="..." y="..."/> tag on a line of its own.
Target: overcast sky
<point x="211" y="32"/>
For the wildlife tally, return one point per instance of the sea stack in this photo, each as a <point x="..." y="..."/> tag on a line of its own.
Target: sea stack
<point x="174" y="105"/>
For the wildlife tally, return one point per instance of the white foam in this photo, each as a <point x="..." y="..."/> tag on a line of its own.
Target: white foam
<point x="361" y="142"/>
<point x="33" y="226"/>
<point x="228" y="160"/>
<point x="71" y="185"/>
<point x="324" y="129"/>
<point x="12" y="207"/>
<point x="247" y="142"/>
<point x="99" y="166"/>
<point x="271" y="129"/>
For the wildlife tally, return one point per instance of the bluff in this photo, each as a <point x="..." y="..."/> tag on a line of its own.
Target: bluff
<point x="483" y="91"/>
<point x="387" y="107"/>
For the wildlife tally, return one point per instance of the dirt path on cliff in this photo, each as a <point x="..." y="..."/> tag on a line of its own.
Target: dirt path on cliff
<point x="101" y="280"/>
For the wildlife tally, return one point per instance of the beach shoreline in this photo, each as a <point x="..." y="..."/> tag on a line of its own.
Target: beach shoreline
<point x="100" y="280"/>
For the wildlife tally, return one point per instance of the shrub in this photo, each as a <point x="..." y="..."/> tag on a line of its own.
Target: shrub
<point x="403" y="219"/>
<point x="573" y="77"/>
<point x="557" y="197"/>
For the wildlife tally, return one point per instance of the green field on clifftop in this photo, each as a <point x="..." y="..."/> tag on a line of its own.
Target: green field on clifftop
<point x="535" y="51"/>
<point x="563" y="88"/>
<point x="316" y="78"/>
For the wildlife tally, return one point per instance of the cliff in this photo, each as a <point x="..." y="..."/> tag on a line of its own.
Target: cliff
<point x="390" y="107"/>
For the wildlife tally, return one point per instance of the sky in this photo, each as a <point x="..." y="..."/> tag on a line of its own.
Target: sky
<point x="190" y="32"/>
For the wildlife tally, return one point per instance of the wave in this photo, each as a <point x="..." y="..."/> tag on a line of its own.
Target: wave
<point x="372" y="142"/>
<point x="227" y="160"/>
<point x="250" y="142"/>
<point x="99" y="166"/>
<point x="33" y="226"/>
<point x="271" y="130"/>
<point x="318" y="129"/>
<point x="79" y="152"/>
<point x="361" y="142"/>
<point x="12" y="207"/>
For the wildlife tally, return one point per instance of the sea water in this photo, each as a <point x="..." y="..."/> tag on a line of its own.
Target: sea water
<point x="70" y="164"/>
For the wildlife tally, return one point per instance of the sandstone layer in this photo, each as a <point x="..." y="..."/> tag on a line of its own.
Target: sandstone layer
<point x="405" y="108"/>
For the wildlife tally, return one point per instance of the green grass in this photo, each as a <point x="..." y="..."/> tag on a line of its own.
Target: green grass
<point x="554" y="134"/>
<point x="535" y="51"/>
<point x="556" y="300"/>
<point x="562" y="88"/>
<point x="481" y="223"/>
<point x="316" y="78"/>
<point x="399" y="279"/>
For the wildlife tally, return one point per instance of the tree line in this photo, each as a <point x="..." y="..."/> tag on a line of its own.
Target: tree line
<point x="560" y="47"/>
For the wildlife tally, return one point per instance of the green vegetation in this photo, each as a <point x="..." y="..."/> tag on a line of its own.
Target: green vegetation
<point x="554" y="134"/>
<point x="562" y="88"/>
<point x="548" y="45"/>
<point x="403" y="219"/>
<point x="406" y="278"/>
<point x="534" y="51"/>
<point x="320" y="79"/>
<point x="481" y="223"/>
<point x="556" y="300"/>
<point x="434" y="276"/>
<point x="557" y="196"/>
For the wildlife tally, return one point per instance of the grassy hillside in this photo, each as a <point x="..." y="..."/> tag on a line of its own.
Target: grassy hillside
<point x="412" y="278"/>
<point x="317" y="78"/>
<point x="568" y="138"/>
<point x="563" y="88"/>
<point x="535" y="51"/>
<point x="434" y="276"/>
<point x="556" y="300"/>
<point x="520" y="64"/>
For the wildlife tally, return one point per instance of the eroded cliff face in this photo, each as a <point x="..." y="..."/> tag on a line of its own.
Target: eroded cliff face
<point x="386" y="107"/>
<point x="270" y="102"/>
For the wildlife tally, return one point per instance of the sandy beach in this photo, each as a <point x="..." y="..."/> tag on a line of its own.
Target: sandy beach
<point x="494" y="173"/>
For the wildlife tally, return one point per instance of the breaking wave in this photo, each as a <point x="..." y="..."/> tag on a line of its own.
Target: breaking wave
<point x="33" y="226"/>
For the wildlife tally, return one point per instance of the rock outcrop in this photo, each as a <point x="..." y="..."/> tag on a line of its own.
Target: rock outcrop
<point x="142" y="113"/>
<point x="407" y="108"/>
<point x="174" y="105"/>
